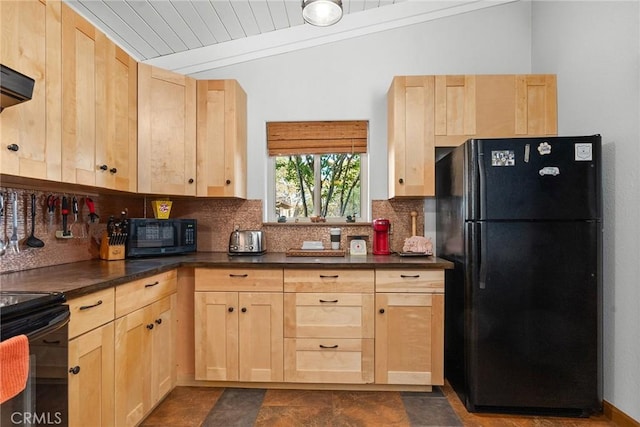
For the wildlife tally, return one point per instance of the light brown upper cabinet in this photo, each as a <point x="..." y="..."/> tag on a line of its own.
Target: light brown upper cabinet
<point x="31" y="131"/>
<point x="116" y="155"/>
<point x="221" y="139"/>
<point x="411" y="136"/>
<point x="166" y="132"/>
<point x="84" y="87"/>
<point x="425" y="112"/>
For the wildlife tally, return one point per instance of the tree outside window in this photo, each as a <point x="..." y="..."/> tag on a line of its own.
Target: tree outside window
<point x="327" y="185"/>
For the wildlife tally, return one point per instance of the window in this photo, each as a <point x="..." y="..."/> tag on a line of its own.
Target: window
<point x="319" y="169"/>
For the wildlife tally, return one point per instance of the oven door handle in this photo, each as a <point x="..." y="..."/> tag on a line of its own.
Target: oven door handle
<point x="56" y="323"/>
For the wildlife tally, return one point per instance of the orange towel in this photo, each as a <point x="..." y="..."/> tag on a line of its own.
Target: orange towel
<point x="14" y="366"/>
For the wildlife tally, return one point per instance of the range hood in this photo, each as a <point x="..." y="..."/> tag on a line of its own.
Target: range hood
<point x="15" y="87"/>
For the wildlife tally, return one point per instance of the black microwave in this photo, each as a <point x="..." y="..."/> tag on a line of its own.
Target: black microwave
<point x="153" y="237"/>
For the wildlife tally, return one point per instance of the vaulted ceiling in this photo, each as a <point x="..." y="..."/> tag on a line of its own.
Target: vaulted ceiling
<point x="189" y="36"/>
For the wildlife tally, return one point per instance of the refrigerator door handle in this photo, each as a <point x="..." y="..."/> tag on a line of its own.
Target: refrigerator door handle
<point x="482" y="242"/>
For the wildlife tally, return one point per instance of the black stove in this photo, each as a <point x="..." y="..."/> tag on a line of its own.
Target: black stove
<point x="25" y="312"/>
<point x="43" y="318"/>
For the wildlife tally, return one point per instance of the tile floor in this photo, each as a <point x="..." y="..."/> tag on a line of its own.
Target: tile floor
<point x="226" y="407"/>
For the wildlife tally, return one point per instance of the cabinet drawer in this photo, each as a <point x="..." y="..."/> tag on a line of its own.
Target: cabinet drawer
<point x="427" y="281"/>
<point x="336" y="315"/>
<point x="328" y="360"/>
<point x="236" y="279"/>
<point x="139" y="293"/>
<point x="90" y="311"/>
<point x="328" y="280"/>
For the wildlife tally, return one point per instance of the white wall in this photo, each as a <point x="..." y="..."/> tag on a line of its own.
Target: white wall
<point x="594" y="48"/>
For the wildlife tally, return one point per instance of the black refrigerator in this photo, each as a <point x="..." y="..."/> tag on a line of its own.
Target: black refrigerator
<point x="521" y="219"/>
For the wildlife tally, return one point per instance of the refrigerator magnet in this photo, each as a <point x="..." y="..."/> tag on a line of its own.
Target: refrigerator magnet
<point x="583" y="152"/>
<point x="503" y="158"/>
<point x="544" y="148"/>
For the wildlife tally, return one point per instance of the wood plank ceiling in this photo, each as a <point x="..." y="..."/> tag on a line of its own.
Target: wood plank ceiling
<point x="190" y="36"/>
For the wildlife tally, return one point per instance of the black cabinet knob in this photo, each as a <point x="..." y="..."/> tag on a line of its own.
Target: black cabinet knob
<point x="158" y="321"/>
<point x="401" y="181"/>
<point x="113" y="170"/>
<point x="230" y="309"/>
<point x="243" y="309"/>
<point x="104" y="167"/>
<point x="13" y="147"/>
<point x="75" y="370"/>
<point x="190" y="180"/>
<point x="150" y="326"/>
<point x="228" y="181"/>
<point x="381" y="311"/>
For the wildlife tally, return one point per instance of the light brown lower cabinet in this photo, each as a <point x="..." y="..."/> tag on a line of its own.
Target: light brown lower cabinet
<point x="329" y="326"/>
<point x="409" y="327"/>
<point x="144" y="359"/>
<point x="91" y="378"/>
<point x="91" y="360"/>
<point x="238" y="323"/>
<point x="238" y="336"/>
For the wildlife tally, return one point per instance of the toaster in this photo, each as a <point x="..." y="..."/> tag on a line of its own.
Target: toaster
<point x="247" y="242"/>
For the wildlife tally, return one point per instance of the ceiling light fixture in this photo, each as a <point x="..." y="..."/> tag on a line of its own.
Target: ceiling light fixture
<point x="322" y="13"/>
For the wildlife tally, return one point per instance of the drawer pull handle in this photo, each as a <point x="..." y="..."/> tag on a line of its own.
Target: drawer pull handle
<point x="324" y="300"/>
<point x="151" y="285"/>
<point x="75" y="370"/>
<point x="87" y="307"/>
<point x="329" y="346"/>
<point x="239" y="275"/>
<point x="323" y="276"/>
<point x="406" y="276"/>
<point x="51" y="342"/>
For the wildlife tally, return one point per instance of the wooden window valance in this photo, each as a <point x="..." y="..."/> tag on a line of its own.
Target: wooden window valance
<point x="290" y="138"/>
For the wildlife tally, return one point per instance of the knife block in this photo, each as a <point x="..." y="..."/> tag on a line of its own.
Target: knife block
<point x="110" y="252"/>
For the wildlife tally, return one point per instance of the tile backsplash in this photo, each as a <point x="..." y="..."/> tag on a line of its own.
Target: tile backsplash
<point x="216" y="220"/>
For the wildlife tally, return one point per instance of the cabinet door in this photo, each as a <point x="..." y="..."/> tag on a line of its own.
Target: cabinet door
<point x="163" y="347"/>
<point x="133" y="357"/>
<point x="411" y="136"/>
<point x="216" y="336"/>
<point x="335" y="315"/>
<point x="222" y="139"/>
<point x="31" y="44"/>
<point x="536" y="105"/>
<point x="116" y="154"/>
<point x="261" y="337"/>
<point x="455" y="109"/>
<point x="91" y="389"/>
<point x="166" y="132"/>
<point x="409" y="339"/>
<point x="84" y="57"/>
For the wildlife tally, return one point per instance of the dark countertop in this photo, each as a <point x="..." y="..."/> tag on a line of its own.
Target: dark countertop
<point x="80" y="278"/>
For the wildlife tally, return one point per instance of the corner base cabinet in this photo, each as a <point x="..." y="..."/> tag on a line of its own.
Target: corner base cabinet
<point x="145" y="347"/>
